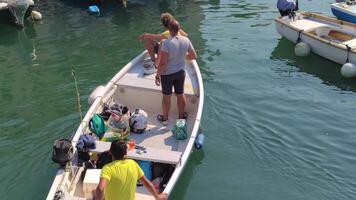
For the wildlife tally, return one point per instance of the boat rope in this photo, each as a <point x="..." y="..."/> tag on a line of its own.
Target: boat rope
<point x="299" y="39"/>
<point x="348" y="53"/>
<point x="78" y="95"/>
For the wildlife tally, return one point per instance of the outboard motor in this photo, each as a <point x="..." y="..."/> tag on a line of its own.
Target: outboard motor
<point x="62" y="151"/>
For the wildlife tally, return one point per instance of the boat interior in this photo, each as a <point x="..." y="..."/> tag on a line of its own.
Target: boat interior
<point x="137" y="90"/>
<point x="330" y="30"/>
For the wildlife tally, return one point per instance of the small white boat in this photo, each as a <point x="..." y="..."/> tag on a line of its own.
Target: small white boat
<point x="15" y="11"/>
<point x="345" y="10"/>
<point x="328" y="37"/>
<point x="132" y="88"/>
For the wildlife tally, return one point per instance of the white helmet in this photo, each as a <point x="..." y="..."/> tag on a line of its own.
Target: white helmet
<point x="138" y="121"/>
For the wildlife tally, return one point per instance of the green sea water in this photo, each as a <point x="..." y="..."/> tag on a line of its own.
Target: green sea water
<point x="277" y="126"/>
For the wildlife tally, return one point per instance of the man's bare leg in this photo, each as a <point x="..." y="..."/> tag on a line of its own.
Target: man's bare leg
<point x="181" y="102"/>
<point x="150" y="46"/>
<point x="166" y="104"/>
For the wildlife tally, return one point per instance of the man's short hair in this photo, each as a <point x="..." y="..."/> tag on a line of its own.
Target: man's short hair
<point x="165" y="19"/>
<point x="174" y="26"/>
<point x="118" y="149"/>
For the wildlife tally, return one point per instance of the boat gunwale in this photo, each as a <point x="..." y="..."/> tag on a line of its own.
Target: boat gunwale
<point x="185" y="155"/>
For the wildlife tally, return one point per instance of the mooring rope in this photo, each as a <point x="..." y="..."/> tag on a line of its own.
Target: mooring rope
<point x="299" y="39"/>
<point x="348" y="53"/>
<point x="78" y="95"/>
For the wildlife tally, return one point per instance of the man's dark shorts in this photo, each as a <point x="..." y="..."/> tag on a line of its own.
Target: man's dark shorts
<point x="175" y="80"/>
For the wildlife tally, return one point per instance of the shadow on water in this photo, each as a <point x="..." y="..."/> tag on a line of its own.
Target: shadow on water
<point x="185" y="178"/>
<point x="317" y="66"/>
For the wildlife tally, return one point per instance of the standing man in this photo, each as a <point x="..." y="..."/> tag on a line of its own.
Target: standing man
<point x="118" y="179"/>
<point x="171" y="70"/>
<point x="285" y="7"/>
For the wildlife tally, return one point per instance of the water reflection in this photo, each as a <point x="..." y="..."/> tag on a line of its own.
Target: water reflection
<point x="26" y="44"/>
<point x="327" y="71"/>
<point x="23" y="41"/>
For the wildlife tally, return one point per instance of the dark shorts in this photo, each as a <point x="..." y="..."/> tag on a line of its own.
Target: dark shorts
<point x="175" y="80"/>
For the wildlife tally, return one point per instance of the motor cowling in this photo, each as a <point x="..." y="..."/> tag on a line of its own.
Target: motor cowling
<point x="62" y="151"/>
<point x="96" y="93"/>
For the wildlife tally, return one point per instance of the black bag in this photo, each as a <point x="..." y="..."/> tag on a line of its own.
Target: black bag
<point x="106" y="112"/>
<point x="62" y="151"/>
<point x="166" y="176"/>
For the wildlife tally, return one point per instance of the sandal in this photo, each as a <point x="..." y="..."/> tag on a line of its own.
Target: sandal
<point x="160" y="118"/>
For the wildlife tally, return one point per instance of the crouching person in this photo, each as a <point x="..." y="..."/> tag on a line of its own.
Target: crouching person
<point x="118" y="123"/>
<point x="118" y="179"/>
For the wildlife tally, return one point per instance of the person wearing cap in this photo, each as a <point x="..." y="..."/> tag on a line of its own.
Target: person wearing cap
<point x="118" y="179"/>
<point x="118" y="122"/>
<point x="171" y="70"/>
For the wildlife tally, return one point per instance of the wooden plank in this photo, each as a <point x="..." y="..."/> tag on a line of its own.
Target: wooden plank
<point x="150" y="154"/>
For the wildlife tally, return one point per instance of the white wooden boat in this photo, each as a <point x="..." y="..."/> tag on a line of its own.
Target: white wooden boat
<point x="345" y="10"/>
<point x="328" y="37"/>
<point x="135" y="90"/>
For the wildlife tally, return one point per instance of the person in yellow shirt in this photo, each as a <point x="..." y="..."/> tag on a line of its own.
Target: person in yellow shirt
<point x="152" y="40"/>
<point x="118" y="179"/>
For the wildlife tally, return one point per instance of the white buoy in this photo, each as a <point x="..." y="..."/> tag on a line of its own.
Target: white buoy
<point x="36" y="15"/>
<point x="348" y="70"/>
<point x="302" y="49"/>
<point x="95" y="94"/>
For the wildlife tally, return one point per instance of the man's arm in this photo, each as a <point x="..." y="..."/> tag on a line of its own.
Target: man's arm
<point x="161" y="65"/>
<point x="99" y="192"/>
<point x="150" y="36"/>
<point x="192" y="55"/>
<point x="152" y="189"/>
<point x="183" y="33"/>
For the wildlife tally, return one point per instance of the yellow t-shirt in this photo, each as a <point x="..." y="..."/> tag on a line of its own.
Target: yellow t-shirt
<point x="166" y="34"/>
<point x="122" y="176"/>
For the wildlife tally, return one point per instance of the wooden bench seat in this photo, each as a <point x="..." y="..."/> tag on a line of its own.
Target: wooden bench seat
<point x="152" y="154"/>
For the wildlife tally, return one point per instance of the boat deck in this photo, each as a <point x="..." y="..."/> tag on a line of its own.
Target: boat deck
<point x="135" y="77"/>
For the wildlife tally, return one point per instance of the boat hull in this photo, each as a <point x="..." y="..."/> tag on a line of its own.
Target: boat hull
<point x="343" y="13"/>
<point x="8" y="17"/>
